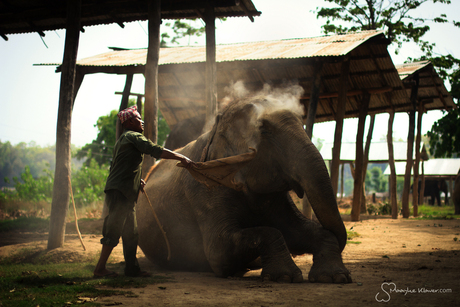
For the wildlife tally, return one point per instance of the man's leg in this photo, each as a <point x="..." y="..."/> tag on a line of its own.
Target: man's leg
<point x="101" y="270"/>
<point x="130" y="240"/>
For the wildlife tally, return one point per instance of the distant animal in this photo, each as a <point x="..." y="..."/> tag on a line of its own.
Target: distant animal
<point x="433" y="188"/>
<point x="457" y="194"/>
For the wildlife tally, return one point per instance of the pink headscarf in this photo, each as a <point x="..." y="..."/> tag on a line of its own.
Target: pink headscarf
<point x="127" y="113"/>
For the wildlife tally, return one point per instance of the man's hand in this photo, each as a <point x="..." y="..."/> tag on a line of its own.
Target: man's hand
<point x="142" y="185"/>
<point x="168" y="154"/>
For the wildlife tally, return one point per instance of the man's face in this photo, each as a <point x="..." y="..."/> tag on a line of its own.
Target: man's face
<point x="135" y="123"/>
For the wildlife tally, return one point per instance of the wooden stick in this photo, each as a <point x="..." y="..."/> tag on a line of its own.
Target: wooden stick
<point x="159" y="224"/>
<point x="75" y="213"/>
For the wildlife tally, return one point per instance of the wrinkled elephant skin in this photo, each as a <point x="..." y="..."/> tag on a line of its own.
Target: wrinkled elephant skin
<point x="225" y="230"/>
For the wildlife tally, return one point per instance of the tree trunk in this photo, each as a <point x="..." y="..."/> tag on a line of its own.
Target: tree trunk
<point x="211" y="68"/>
<point x="391" y="162"/>
<point x="415" y="194"/>
<point x="151" y="79"/>
<point x="124" y="102"/>
<point x="410" y="150"/>
<point x="311" y="116"/>
<point x="341" y="107"/>
<point x="61" y="186"/>
<point x="366" y="161"/>
<point x="358" y="182"/>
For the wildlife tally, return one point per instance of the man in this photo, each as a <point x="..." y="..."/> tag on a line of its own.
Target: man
<point x="122" y="189"/>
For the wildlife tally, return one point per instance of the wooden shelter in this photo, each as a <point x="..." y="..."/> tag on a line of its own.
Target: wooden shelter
<point x="26" y="16"/>
<point x="349" y="75"/>
<point x="427" y="92"/>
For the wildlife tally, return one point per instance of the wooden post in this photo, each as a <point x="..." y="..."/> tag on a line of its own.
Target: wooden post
<point x="391" y="162"/>
<point x="341" y="107"/>
<point x="211" y="70"/>
<point x="415" y="194"/>
<point x="124" y="102"/>
<point x="61" y="187"/>
<point x="151" y="79"/>
<point x="312" y="106"/>
<point x="410" y="149"/>
<point x="421" y="197"/>
<point x="358" y="181"/>
<point x="366" y="161"/>
<point x="341" y="180"/>
<point x="139" y="103"/>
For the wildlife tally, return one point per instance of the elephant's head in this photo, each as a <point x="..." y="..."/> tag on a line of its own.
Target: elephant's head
<point x="286" y="158"/>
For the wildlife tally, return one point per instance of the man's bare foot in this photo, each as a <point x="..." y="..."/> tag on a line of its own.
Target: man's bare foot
<point x="105" y="274"/>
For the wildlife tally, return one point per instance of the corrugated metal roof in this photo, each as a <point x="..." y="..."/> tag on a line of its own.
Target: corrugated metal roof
<point x="433" y="167"/>
<point x="324" y="46"/>
<point x="431" y="91"/>
<point x="24" y="16"/>
<point x="181" y="81"/>
<point x="378" y="151"/>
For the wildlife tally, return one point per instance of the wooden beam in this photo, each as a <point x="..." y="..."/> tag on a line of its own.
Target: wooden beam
<point x="391" y="162"/>
<point x="124" y="104"/>
<point x="418" y="139"/>
<point x="410" y="149"/>
<point x="151" y="79"/>
<point x="211" y="70"/>
<point x="341" y="107"/>
<point x="61" y="186"/>
<point x="359" y="160"/>
<point x="370" y="131"/>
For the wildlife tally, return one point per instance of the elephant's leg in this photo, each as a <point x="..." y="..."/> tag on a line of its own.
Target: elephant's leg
<point x="230" y="251"/>
<point x="303" y="235"/>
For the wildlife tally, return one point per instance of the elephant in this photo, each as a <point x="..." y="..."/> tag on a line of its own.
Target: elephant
<point x="185" y="131"/>
<point x="433" y="188"/>
<point x="457" y="193"/>
<point x="252" y="222"/>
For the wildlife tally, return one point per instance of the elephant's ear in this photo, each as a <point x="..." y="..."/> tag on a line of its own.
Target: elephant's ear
<point x="221" y="171"/>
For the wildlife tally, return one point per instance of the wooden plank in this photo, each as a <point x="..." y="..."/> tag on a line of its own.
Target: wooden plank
<point x="341" y="105"/>
<point x="410" y="149"/>
<point x="61" y="186"/>
<point x="415" y="195"/>
<point x="359" y="160"/>
<point x="151" y="79"/>
<point x="391" y="162"/>
<point x="211" y="70"/>
<point x="124" y="103"/>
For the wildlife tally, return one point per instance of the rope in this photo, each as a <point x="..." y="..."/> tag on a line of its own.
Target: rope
<point x="159" y="224"/>
<point x="75" y="213"/>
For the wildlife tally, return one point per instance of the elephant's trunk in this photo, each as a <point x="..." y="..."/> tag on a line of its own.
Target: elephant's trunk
<point x="311" y="173"/>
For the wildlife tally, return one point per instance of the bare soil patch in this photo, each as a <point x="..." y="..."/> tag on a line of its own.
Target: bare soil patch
<point x="404" y="262"/>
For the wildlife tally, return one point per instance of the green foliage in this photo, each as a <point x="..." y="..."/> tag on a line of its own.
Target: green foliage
<point x="88" y="183"/>
<point x="32" y="224"/>
<point x="14" y="158"/>
<point x="427" y="212"/>
<point x="444" y="135"/>
<point x="375" y="180"/>
<point x="34" y="189"/>
<point x="180" y="30"/>
<point x="392" y="16"/>
<point x="101" y="149"/>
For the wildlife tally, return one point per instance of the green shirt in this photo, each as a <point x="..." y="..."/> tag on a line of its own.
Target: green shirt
<point x="126" y="168"/>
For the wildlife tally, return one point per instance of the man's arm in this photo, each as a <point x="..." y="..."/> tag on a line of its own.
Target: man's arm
<point x="168" y="154"/>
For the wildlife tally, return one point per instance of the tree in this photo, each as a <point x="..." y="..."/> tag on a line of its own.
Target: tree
<point x="181" y="29"/>
<point x="444" y="135"/>
<point x="392" y="16"/>
<point x="101" y="149"/>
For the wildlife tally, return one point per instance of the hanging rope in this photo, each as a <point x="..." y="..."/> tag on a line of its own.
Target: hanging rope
<point x="75" y="213"/>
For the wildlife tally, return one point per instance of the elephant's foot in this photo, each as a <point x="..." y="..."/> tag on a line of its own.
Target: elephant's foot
<point x="281" y="270"/>
<point x="328" y="266"/>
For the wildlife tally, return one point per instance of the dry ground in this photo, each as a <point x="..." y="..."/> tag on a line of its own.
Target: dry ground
<point x="399" y="262"/>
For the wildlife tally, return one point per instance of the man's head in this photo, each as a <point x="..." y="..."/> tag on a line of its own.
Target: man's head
<point x="131" y="119"/>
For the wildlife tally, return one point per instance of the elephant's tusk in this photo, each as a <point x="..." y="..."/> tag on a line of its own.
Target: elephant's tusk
<point x="159" y="225"/>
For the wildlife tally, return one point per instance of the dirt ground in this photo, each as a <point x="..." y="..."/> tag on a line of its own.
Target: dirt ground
<point x="398" y="262"/>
